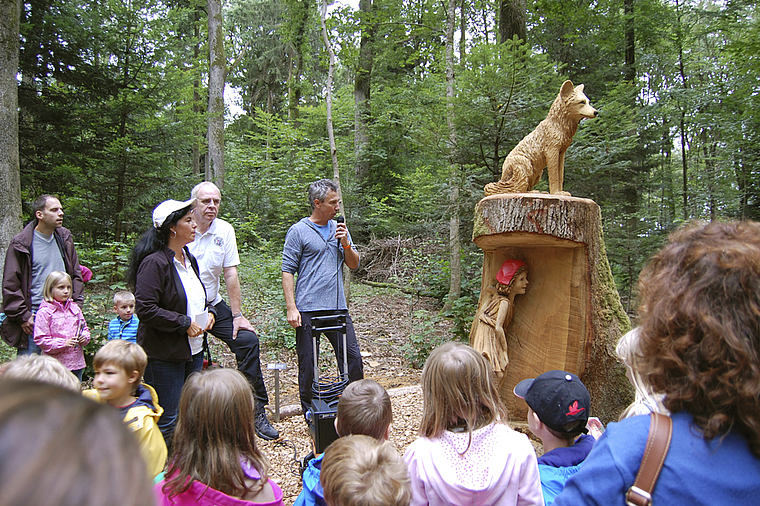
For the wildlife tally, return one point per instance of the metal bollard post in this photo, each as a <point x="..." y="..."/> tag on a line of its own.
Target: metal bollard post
<point x="277" y="368"/>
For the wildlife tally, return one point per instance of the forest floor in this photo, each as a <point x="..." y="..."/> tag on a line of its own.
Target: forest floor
<point x="383" y="323"/>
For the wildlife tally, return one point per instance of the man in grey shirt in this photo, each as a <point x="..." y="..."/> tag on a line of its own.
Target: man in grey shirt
<point x="315" y="249"/>
<point x="42" y="247"/>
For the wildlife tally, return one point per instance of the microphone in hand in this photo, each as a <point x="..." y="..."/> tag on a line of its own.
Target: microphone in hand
<point x="340" y="219"/>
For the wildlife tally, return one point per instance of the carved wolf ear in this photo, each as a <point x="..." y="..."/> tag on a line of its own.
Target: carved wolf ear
<point x="567" y="89"/>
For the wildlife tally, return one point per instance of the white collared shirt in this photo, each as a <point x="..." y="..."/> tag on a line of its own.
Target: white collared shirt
<point x="215" y="250"/>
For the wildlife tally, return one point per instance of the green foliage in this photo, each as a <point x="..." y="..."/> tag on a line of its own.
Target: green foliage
<point x="461" y="314"/>
<point x="423" y="339"/>
<point x="6" y="352"/>
<point x="260" y="274"/>
<point x="504" y="92"/>
<point x="101" y="120"/>
<point x="255" y="32"/>
<point x="268" y="173"/>
<point x="108" y="263"/>
<point x="97" y="313"/>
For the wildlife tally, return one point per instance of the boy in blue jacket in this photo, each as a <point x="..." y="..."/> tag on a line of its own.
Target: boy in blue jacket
<point x="124" y="326"/>
<point x="364" y="408"/>
<point x="558" y="406"/>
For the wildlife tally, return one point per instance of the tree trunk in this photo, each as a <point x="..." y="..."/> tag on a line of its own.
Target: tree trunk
<point x="682" y="125"/>
<point x="512" y="18"/>
<point x="630" y="41"/>
<point x="330" y="72"/>
<point x="300" y="13"/>
<point x="455" y="262"/>
<point x="362" y="88"/>
<point x="196" y="148"/>
<point x="10" y="205"/>
<point x="121" y="178"/>
<point x="216" y="77"/>
<point x="462" y="32"/>
<point x="571" y="317"/>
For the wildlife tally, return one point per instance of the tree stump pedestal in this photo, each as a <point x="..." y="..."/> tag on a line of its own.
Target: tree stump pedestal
<point x="570" y="317"/>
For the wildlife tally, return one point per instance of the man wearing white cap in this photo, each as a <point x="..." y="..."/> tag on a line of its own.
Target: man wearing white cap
<point x="215" y="247"/>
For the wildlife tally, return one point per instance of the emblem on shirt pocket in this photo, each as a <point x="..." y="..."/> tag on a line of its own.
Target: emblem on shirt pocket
<point x="218" y="241"/>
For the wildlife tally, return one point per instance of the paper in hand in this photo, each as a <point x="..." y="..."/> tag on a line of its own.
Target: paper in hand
<point x="201" y="319"/>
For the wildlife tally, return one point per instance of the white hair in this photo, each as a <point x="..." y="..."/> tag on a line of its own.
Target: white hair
<point x="197" y="188"/>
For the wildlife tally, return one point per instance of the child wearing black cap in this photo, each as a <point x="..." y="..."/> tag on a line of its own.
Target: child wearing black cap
<point x="558" y="406"/>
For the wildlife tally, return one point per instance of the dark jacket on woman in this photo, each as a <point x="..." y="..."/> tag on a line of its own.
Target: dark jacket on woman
<point x="17" y="280"/>
<point x="161" y="306"/>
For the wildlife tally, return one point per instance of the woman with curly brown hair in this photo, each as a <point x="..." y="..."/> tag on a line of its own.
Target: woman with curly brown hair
<point x="700" y="348"/>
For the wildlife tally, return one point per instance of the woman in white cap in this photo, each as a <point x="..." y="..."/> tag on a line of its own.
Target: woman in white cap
<point x="170" y="301"/>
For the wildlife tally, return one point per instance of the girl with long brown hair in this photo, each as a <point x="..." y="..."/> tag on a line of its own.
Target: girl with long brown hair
<point x="467" y="453"/>
<point x="215" y="459"/>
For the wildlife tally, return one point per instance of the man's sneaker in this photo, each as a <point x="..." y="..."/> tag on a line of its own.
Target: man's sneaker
<point x="264" y="429"/>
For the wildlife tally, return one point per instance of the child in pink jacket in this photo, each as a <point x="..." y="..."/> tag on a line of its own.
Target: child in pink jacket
<point x="59" y="326"/>
<point x="467" y="454"/>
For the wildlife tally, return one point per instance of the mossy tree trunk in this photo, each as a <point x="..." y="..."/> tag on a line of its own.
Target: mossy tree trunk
<point x="216" y="79"/>
<point x="10" y="205"/>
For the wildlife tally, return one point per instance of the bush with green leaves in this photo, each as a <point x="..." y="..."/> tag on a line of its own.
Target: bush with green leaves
<point x="423" y="338"/>
<point x="108" y="263"/>
<point x="260" y="273"/>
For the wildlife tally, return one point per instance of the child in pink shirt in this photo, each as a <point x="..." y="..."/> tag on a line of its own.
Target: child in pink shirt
<point x="59" y="327"/>
<point x="467" y="453"/>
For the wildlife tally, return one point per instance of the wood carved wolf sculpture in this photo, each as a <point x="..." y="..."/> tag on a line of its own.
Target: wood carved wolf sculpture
<point x="545" y="146"/>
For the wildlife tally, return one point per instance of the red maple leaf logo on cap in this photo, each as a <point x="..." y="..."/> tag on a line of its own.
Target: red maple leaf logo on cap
<point x="573" y="409"/>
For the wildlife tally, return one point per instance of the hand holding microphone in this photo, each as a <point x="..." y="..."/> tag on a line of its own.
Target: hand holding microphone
<point x="341" y="231"/>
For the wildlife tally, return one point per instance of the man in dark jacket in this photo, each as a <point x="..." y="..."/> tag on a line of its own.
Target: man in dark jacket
<point x="42" y="247"/>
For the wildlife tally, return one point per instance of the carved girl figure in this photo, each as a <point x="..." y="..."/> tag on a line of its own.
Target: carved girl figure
<point x="488" y="335"/>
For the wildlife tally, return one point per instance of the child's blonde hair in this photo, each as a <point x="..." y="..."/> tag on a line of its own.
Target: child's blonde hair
<point x="646" y="400"/>
<point x="215" y="433"/>
<point x="42" y="368"/>
<point x="123" y="296"/>
<point x="359" y="470"/>
<point x="125" y="355"/>
<point x="53" y="279"/>
<point x="458" y="391"/>
<point x="364" y="408"/>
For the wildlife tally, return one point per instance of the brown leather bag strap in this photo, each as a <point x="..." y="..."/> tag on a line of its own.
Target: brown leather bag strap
<point x="658" y="442"/>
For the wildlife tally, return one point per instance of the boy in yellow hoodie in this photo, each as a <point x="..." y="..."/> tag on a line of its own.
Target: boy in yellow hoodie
<point x="119" y="367"/>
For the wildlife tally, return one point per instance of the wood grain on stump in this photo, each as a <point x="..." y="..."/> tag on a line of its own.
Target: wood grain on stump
<point x="571" y="317"/>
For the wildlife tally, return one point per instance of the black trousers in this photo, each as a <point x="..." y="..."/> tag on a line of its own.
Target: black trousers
<point x="305" y="352"/>
<point x="246" y="350"/>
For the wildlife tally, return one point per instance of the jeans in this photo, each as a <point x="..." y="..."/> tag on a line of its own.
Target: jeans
<point x="246" y="350"/>
<point x="31" y="349"/>
<point x="305" y="352"/>
<point x="168" y="378"/>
